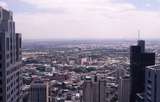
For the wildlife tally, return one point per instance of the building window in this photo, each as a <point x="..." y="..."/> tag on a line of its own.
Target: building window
<point x="149" y="74"/>
<point x="149" y="81"/>
<point x="155" y="88"/>
<point x="7" y="44"/>
<point x="0" y="90"/>
<point x="0" y="73"/>
<point x="20" y="43"/>
<point x="0" y="82"/>
<point x="0" y="44"/>
<point x="1" y="99"/>
<point x="0" y="56"/>
<point x="11" y="43"/>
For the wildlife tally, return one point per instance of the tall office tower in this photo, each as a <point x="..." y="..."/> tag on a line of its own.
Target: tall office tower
<point x="139" y="59"/>
<point x="39" y="91"/>
<point x="94" y="90"/>
<point x="10" y="59"/>
<point x="152" y="84"/>
<point x="87" y="90"/>
<point x="102" y="92"/>
<point x="124" y="89"/>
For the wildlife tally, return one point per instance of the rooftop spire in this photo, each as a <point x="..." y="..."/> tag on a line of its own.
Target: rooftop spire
<point x="139" y="34"/>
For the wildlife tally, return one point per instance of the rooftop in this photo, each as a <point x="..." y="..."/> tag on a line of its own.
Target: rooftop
<point x="157" y="67"/>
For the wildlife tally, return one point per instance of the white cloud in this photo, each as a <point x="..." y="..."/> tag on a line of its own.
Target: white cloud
<point x="3" y="4"/>
<point x="74" y="5"/>
<point x="148" y="5"/>
<point x="86" y="19"/>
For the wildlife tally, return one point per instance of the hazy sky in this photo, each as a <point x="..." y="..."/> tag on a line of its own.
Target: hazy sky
<point x="59" y="19"/>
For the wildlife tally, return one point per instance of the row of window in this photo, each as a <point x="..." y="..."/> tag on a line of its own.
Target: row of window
<point x="14" y="85"/>
<point x="12" y="77"/>
<point x="13" y="70"/>
<point x="10" y="46"/>
<point x="12" y="97"/>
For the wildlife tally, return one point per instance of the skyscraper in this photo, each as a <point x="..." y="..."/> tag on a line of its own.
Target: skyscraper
<point x="10" y="59"/>
<point x="94" y="90"/>
<point x="39" y="91"/>
<point x="87" y="90"/>
<point x="139" y="59"/>
<point x="152" y="84"/>
<point x="124" y="89"/>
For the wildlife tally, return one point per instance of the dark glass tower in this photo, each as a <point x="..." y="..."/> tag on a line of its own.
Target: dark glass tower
<point x="139" y="59"/>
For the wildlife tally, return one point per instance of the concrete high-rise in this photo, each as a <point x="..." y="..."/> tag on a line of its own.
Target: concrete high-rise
<point x="39" y="91"/>
<point x="124" y="89"/>
<point x="152" y="84"/>
<point x="94" y="90"/>
<point x="10" y="59"/>
<point x="139" y="59"/>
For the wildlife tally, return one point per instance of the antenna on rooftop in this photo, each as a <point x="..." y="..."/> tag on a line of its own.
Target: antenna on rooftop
<point x="139" y="34"/>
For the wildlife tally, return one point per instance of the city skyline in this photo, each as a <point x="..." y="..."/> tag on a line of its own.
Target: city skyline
<point x="85" y="19"/>
<point x="95" y="70"/>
